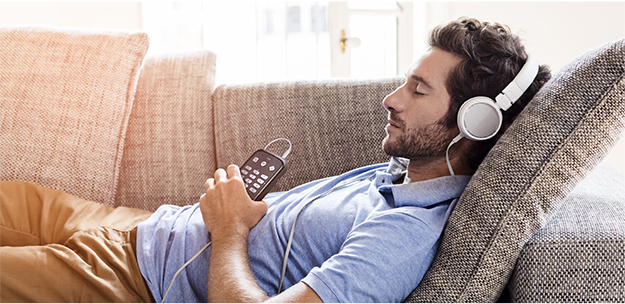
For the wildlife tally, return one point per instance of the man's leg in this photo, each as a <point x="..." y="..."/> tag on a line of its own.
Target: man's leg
<point x="60" y="248"/>
<point x="35" y="215"/>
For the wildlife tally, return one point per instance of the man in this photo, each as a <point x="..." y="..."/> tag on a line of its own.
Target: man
<point x="367" y="235"/>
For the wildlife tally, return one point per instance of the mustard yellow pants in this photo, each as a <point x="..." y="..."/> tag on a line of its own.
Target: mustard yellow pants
<point x="56" y="247"/>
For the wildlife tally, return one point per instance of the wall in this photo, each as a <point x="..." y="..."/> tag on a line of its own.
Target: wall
<point x="555" y="32"/>
<point x="90" y="14"/>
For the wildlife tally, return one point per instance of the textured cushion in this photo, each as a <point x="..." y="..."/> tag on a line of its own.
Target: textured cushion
<point x="579" y="255"/>
<point x="562" y="134"/>
<point x="65" y="99"/>
<point x="334" y="125"/>
<point x="169" y="150"/>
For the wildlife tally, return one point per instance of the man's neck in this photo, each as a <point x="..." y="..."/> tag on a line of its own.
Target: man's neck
<point x="424" y="169"/>
<point x="429" y="168"/>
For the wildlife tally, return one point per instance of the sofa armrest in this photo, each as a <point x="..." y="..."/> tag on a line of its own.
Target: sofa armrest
<point x="578" y="256"/>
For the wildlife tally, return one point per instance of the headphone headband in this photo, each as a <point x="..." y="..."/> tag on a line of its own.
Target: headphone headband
<point x="519" y="84"/>
<point x="480" y="118"/>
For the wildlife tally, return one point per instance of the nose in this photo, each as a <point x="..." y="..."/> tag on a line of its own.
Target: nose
<point x="392" y="102"/>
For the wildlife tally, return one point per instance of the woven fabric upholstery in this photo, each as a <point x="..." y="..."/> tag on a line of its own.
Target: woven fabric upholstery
<point x="169" y="150"/>
<point x="65" y="99"/>
<point x="579" y="255"/>
<point x="562" y="134"/>
<point x="334" y="126"/>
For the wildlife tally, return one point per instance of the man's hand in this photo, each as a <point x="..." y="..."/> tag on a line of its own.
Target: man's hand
<point x="229" y="214"/>
<point x="226" y="208"/>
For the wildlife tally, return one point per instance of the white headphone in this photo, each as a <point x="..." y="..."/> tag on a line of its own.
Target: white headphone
<point x="480" y="118"/>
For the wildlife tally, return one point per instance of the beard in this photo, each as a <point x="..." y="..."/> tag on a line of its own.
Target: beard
<point x="423" y="142"/>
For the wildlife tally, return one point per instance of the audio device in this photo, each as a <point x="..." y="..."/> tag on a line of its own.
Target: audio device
<point x="259" y="173"/>
<point x="480" y="118"/>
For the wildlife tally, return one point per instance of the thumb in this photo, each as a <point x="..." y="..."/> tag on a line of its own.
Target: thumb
<point x="259" y="209"/>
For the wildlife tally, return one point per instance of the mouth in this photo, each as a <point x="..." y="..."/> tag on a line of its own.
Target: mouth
<point x="394" y="122"/>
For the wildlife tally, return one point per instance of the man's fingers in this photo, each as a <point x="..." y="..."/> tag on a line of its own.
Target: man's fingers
<point x="220" y="175"/>
<point x="210" y="183"/>
<point x="234" y="172"/>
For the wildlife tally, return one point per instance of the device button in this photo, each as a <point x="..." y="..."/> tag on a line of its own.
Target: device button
<point x="263" y="176"/>
<point x="248" y="168"/>
<point x="256" y="172"/>
<point x="272" y="168"/>
<point x="253" y="190"/>
<point x="256" y="185"/>
<point x="263" y="163"/>
<point x="260" y="181"/>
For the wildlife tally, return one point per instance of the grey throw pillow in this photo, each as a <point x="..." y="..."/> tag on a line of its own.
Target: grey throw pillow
<point x="169" y="151"/>
<point x="563" y="133"/>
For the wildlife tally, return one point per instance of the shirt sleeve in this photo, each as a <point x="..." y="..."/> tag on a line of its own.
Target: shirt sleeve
<point x="383" y="259"/>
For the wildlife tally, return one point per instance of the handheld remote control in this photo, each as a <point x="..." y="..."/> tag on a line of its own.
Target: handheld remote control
<point x="260" y="172"/>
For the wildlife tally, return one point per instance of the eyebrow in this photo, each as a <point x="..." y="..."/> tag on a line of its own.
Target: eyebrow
<point x="421" y="80"/>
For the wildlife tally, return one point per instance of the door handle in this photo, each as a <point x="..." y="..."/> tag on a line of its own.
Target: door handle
<point x="351" y="42"/>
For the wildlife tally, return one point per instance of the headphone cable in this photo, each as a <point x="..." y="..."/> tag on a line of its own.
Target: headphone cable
<point x="453" y="141"/>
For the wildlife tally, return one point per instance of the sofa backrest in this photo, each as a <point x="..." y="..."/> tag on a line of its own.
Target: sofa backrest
<point x="169" y="148"/>
<point x="334" y="126"/>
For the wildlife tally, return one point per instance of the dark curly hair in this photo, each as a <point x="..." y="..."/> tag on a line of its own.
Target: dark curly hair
<point x="491" y="56"/>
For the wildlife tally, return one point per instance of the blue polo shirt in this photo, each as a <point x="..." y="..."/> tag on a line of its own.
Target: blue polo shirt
<point x="358" y="238"/>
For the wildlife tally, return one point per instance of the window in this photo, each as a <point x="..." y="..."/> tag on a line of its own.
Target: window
<point x="282" y="40"/>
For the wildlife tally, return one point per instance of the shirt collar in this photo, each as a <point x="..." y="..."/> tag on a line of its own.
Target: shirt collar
<point x="397" y="167"/>
<point x="422" y="193"/>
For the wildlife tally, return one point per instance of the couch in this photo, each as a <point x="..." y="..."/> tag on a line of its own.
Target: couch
<point x="92" y="113"/>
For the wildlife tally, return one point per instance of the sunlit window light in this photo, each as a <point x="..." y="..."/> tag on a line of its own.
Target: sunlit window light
<point x="276" y="40"/>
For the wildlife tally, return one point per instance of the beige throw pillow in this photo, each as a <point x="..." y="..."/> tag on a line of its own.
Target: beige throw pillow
<point x="65" y="99"/>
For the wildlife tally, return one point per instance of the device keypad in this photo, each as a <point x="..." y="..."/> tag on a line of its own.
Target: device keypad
<point x="259" y="171"/>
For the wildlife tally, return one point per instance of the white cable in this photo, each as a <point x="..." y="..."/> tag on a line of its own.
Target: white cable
<point x="453" y="141"/>
<point x="287" y="151"/>
<point x="183" y="267"/>
<point x="291" y="234"/>
<point x="209" y="243"/>
<point x="290" y="241"/>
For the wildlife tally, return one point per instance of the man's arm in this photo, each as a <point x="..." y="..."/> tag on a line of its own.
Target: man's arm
<point x="229" y="214"/>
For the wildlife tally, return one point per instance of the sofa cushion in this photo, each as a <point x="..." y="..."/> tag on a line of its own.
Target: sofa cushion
<point x="169" y="149"/>
<point x="334" y="126"/>
<point x="579" y="255"/>
<point x="66" y="96"/>
<point x="562" y="134"/>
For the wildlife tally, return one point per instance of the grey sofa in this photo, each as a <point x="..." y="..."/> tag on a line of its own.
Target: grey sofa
<point x="539" y="221"/>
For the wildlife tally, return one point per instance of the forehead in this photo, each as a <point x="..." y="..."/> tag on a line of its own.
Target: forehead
<point x="434" y="67"/>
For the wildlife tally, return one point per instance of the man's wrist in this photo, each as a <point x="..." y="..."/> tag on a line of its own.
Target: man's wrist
<point x="229" y="234"/>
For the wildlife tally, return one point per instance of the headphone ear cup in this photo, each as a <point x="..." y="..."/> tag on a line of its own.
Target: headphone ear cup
<point x="479" y="118"/>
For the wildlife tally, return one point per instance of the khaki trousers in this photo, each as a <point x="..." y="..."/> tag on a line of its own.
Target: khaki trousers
<point x="59" y="248"/>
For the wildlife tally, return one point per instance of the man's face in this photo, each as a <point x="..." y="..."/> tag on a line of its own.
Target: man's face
<point x="417" y="109"/>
